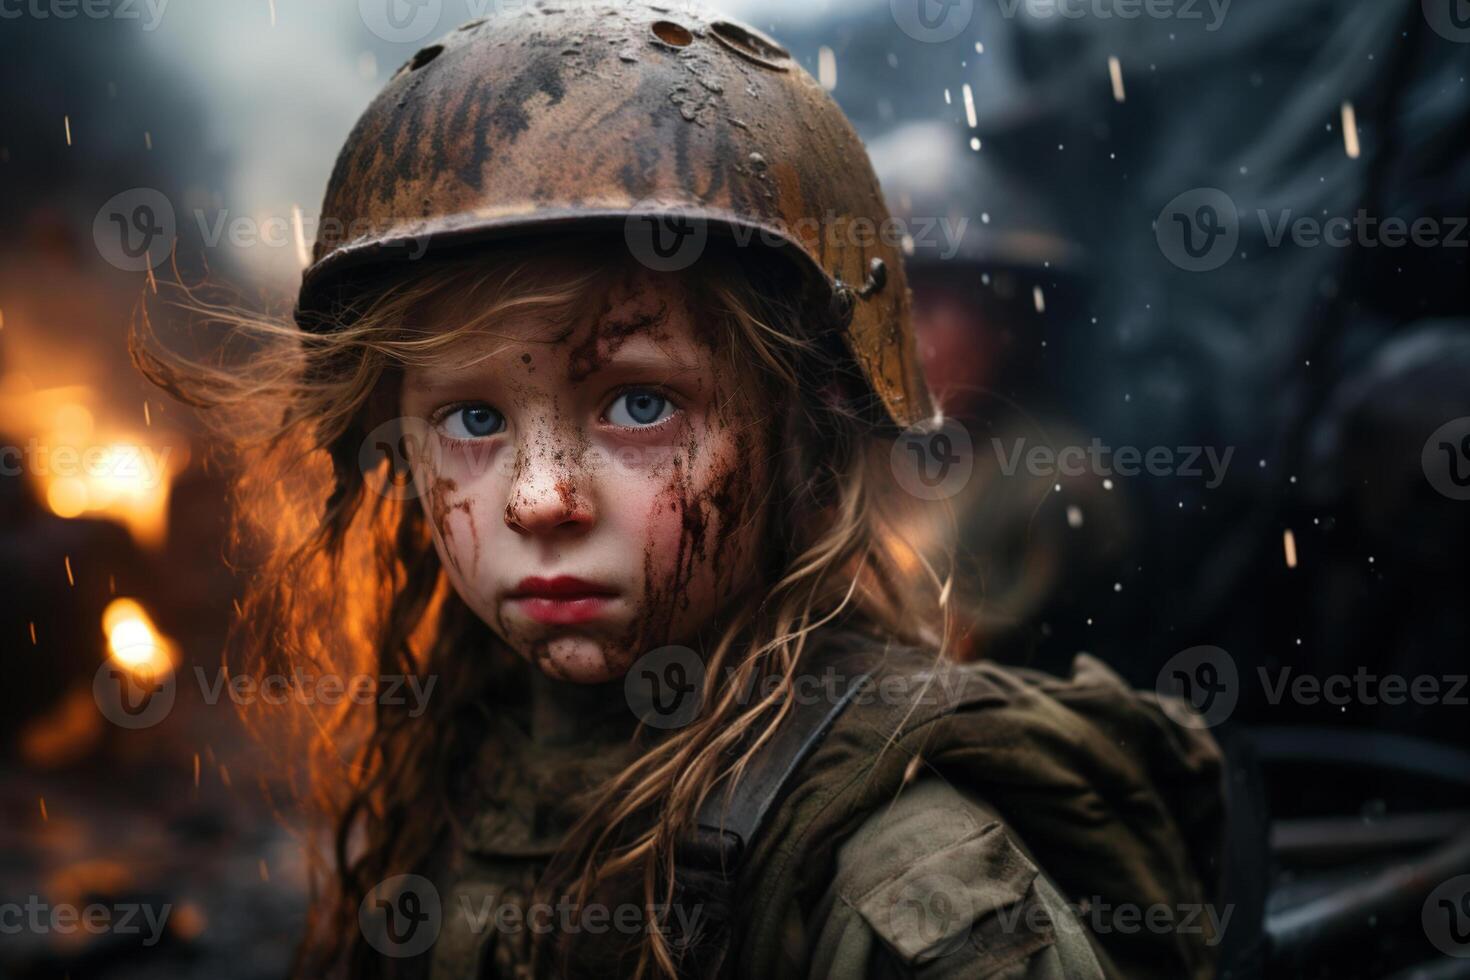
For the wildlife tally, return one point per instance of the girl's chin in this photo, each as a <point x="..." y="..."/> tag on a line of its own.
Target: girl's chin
<point x="578" y="660"/>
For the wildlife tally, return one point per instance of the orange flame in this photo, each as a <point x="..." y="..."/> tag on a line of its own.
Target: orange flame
<point x="83" y="466"/>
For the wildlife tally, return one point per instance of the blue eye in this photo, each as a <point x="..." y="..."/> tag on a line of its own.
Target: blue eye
<point x="640" y="407"/>
<point x="472" y="422"/>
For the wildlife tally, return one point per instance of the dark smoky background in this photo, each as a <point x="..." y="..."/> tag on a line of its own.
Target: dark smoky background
<point x="1109" y="208"/>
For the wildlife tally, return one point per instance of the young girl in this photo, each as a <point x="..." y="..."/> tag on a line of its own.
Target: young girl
<point x="593" y="415"/>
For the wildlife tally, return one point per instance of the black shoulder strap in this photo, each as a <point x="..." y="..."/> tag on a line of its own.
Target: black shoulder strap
<point x="708" y="860"/>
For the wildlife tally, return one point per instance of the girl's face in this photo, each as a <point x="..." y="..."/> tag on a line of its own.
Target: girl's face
<point x="593" y="490"/>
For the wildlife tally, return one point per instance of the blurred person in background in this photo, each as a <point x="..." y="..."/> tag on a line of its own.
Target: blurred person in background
<point x="997" y="286"/>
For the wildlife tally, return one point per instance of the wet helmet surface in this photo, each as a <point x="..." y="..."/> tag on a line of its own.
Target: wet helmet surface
<point x="668" y="125"/>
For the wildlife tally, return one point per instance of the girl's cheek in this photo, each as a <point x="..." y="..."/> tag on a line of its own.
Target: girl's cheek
<point x="637" y="517"/>
<point x="471" y="461"/>
<point x="638" y="491"/>
<point x="689" y="556"/>
<point x="461" y="486"/>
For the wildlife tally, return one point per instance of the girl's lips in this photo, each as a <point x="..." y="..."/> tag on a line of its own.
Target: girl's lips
<point x="561" y="585"/>
<point x="562" y="612"/>
<point x="562" y="600"/>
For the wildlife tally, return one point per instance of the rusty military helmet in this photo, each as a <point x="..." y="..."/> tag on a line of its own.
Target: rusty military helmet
<point x="661" y="123"/>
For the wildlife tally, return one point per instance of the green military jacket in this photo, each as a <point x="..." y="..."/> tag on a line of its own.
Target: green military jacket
<point x="957" y="821"/>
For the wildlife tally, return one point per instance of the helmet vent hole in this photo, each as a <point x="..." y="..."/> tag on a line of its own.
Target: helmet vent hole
<point x="425" y="56"/>
<point x="671" y="33"/>
<point x="751" y="44"/>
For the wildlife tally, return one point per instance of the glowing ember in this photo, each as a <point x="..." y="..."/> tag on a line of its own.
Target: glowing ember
<point x="1115" y="72"/>
<point x="188" y="921"/>
<point x="827" y="67"/>
<point x="1350" y="131"/>
<point x="67" y="497"/>
<point x="133" y="641"/>
<point x="303" y="251"/>
<point x="63" y="735"/>
<point x="1288" y="542"/>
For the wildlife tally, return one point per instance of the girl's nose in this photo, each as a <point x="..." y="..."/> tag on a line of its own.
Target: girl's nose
<point x="546" y="498"/>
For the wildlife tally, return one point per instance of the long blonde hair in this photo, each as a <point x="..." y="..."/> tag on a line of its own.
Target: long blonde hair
<point x="344" y="577"/>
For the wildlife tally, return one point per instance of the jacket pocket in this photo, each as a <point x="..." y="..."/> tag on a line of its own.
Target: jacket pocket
<point x="968" y="909"/>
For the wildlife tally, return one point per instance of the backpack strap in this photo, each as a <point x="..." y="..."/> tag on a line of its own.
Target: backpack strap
<point x="708" y="860"/>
